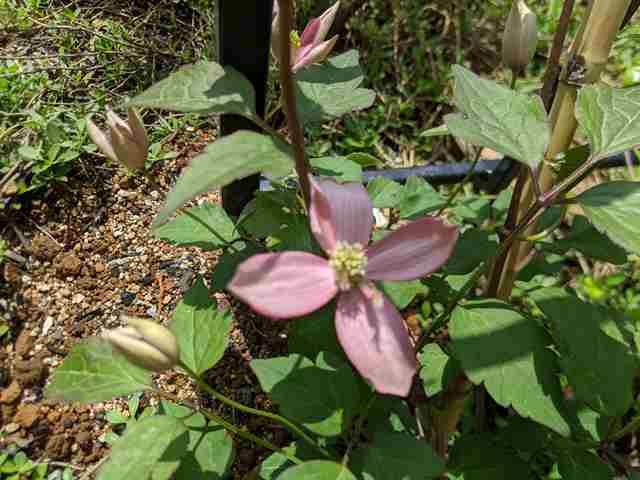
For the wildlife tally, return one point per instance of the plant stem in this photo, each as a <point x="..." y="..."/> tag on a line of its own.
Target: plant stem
<point x="254" y="411"/>
<point x="632" y="426"/>
<point x="458" y="188"/>
<point x="229" y="426"/>
<point x="289" y="98"/>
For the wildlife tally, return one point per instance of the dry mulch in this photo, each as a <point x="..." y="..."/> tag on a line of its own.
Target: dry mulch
<point x="89" y="255"/>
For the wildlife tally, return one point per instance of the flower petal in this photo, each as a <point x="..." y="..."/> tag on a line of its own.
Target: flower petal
<point x="413" y="251"/>
<point x="314" y="54"/>
<point x="375" y="338"/>
<point x="100" y="139"/>
<point x="310" y="31"/>
<point x="340" y="212"/>
<point x="284" y="285"/>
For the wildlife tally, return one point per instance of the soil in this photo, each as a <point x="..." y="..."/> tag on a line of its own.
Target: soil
<point x="90" y="255"/>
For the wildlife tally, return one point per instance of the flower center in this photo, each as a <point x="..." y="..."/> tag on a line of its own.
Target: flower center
<point x="348" y="262"/>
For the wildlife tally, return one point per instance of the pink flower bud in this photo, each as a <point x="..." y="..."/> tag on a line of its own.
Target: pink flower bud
<point x="520" y="37"/>
<point x="127" y="142"/>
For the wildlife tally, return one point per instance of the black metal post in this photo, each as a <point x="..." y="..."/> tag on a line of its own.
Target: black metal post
<point x="244" y="31"/>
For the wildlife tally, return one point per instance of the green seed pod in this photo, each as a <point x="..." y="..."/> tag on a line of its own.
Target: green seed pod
<point x="520" y="37"/>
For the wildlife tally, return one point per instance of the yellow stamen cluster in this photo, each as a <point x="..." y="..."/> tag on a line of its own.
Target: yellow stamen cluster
<point x="349" y="264"/>
<point x="295" y="39"/>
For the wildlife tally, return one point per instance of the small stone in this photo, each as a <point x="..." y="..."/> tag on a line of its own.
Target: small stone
<point x="77" y="298"/>
<point x="65" y="292"/>
<point x="12" y="427"/>
<point x="100" y="267"/>
<point x="24" y="343"/>
<point x="46" y="326"/>
<point x="44" y="248"/>
<point x="127" y="297"/>
<point x="27" y="415"/>
<point x="11" y="393"/>
<point x="70" y="265"/>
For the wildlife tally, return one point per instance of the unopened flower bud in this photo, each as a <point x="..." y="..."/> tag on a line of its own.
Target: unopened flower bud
<point x="520" y="37"/>
<point x="311" y="47"/>
<point x="146" y="344"/>
<point x="127" y="142"/>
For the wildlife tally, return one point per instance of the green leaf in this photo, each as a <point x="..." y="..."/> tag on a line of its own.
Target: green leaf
<point x="296" y="236"/>
<point x="582" y="465"/>
<point x="226" y="267"/>
<point x="231" y="158"/>
<point x="614" y="208"/>
<point x="436" y="131"/>
<point x="590" y="340"/>
<point x="210" y="449"/>
<point x="397" y="456"/>
<point x="315" y="333"/>
<point x="509" y="353"/>
<point x="472" y="248"/>
<point x="364" y="159"/>
<point x="479" y="457"/>
<point x="339" y="168"/>
<point x="437" y="369"/>
<point x="150" y="448"/>
<point x="186" y="231"/>
<point x="385" y="193"/>
<point x="419" y="198"/>
<point x="402" y="294"/>
<point x="201" y="329"/>
<point x="571" y="160"/>
<point x="610" y="117"/>
<point x="494" y="116"/>
<point x="205" y="87"/>
<point x="332" y="89"/>
<point x="586" y="239"/>
<point x="318" y="470"/>
<point x="268" y="213"/>
<point x="93" y="372"/>
<point x="320" y="396"/>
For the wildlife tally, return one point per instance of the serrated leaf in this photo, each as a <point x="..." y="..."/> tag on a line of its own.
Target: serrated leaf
<point x="479" y="457"/>
<point x="437" y="369"/>
<point x="318" y="470"/>
<point x="319" y="396"/>
<point x="583" y="465"/>
<point x="93" y="372"/>
<point x="397" y="456"/>
<point x="210" y="449"/>
<point x="339" y="168"/>
<point x="419" y="198"/>
<point x="610" y="117"/>
<point x="184" y="230"/>
<point x="226" y="267"/>
<point x="384" y="193"/>
<point x="494" y="116"/>
<point x="205" y="87"/>
<point x="588" y="240"/>
<point x="590" y="341"/>
<point x="331" y="89"/>
<point x="201" y="329"/>
<point x="231" y="158"/>
<point x="509" y="353"/>
<point x="614" y="208"/>
<point x="153" y="445"/>
<point x="315" y="333"/>
<point x="402" y="294"/>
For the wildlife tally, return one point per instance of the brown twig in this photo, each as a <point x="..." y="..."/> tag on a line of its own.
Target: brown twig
<point x="289" y="98"/>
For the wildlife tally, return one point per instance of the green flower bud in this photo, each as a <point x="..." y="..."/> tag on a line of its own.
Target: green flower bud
<point x="145" y="344"/>
<point x="520" y="37"/>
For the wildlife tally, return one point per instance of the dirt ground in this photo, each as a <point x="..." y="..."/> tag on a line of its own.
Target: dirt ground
<point x="82" y="254"/>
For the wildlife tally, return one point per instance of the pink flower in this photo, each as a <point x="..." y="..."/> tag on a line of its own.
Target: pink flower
<point x="311" y="47"/>
<point x="369" y="328"/>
